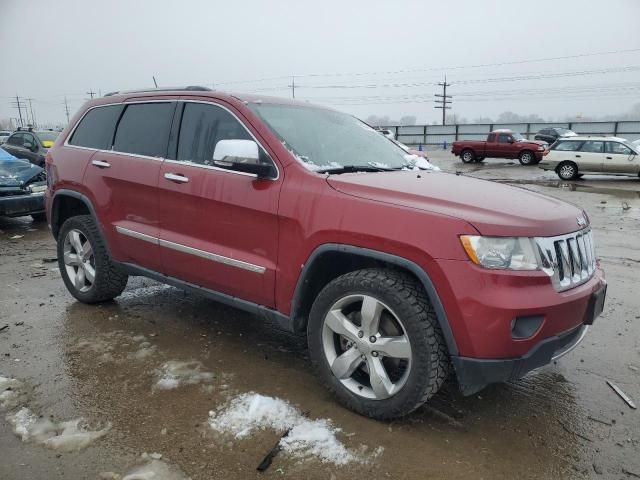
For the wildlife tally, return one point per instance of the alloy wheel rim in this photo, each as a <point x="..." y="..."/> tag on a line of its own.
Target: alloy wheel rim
<point x="79" y="260"/>
<point x="467" y="156"/>
<point x="566" y="171"/>
<point x="526" y="158"/>
<point x="366" y="347"/>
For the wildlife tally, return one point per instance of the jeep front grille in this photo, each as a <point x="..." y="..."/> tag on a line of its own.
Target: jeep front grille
<point x="569" y="259"/>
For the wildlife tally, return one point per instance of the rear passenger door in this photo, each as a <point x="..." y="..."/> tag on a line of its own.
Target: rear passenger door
<point x="123" y="180"/>
<point x="219" y="227"/>
<point x="590" y="156"/>
<point x="620" y="159"/>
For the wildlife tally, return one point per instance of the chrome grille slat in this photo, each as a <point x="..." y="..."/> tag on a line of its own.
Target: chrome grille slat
<point x="569" y="259"/>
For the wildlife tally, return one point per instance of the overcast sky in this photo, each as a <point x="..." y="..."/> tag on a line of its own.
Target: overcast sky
<point x="377" y="57"/>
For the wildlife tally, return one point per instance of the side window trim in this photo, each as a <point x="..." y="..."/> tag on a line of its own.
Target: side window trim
<point x="184" y="101"/>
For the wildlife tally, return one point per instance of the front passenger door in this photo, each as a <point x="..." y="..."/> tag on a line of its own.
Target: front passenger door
<point x="620" y="159"/>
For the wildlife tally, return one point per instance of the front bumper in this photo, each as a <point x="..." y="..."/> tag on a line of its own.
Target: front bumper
<point x="476" y="373"/>
<point x="19" y="205"/>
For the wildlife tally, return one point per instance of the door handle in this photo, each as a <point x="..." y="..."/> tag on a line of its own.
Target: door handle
<point x="609" y="158"/>
<point x="578" y="156"/>
<point x="100" y="163"/>
<point x="175" y="177"/>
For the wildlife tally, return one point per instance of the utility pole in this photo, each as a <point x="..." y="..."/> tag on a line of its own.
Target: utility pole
<point x="154" y="81"/>
<point x="293" y="86"/>
<point x="443" y="100"/>
<point x="18" y="104"/>
<point x="33" y="116"/>
<point x="91" y="93"/>
<point x="66" y="108"/>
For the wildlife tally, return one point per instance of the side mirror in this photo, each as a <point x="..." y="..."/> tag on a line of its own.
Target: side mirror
<point x="241" y="156"/>
<point x="511" y="140"/>
<point x="29" y="146"/>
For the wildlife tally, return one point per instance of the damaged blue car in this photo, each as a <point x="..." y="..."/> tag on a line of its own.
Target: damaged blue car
<point x="22" y="186"/>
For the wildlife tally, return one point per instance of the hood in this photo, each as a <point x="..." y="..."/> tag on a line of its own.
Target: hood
<point x="17" y="173"/>
<point x="492" y="208"/>
<point x="533" y="142"/>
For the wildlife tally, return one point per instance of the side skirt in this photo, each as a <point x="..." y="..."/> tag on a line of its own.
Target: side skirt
<point x="272" y="315"/>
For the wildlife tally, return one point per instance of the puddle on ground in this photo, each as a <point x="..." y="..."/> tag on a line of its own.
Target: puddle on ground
<point x="576" y="187"/>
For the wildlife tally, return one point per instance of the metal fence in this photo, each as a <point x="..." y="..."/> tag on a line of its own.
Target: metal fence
<point x="440" y="134"/>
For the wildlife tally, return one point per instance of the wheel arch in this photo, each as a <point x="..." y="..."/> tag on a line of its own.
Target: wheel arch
<point x="66" y="204"/>
<point x="329" y="261"/>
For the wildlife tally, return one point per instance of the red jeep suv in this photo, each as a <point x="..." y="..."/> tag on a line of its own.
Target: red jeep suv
<point x="311" y="218"/>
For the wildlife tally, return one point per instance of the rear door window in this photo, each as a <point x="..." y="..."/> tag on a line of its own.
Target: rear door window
<point x="592" y="147"/>
<point x="96" y="128"/>
<point x="144" y="129"/>
<point x="567" y="146"/>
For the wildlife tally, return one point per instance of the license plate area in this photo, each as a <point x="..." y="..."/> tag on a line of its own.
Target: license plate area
<point x="595" y="306"/>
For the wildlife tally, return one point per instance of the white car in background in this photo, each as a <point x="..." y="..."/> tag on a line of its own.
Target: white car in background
<point x="4" y="134"/>
<point x="573" y="157"/>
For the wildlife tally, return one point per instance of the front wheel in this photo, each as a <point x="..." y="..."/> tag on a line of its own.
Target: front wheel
<point x="527" y="158"/>
<point x="567" y="171"/>
<point x="376" y="344"/>
<point x="86" y="268"/>
<point x="467" y="156"/>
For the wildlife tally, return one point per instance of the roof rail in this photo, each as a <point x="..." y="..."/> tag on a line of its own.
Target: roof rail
<point x="188" y="88"/>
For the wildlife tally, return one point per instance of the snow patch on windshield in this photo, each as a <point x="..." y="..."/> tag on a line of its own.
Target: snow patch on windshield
<point x="306" y="438"/>
<point x="69" y="436"/>
<point x="174" y="373"/>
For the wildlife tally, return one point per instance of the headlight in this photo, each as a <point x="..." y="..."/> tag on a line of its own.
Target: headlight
<point x="513" y="253"/>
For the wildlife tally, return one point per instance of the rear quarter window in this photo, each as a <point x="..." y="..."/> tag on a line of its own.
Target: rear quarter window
<point x="95" y="130"/>
<point x="564" y="146"/>
<point x="144" y="129"/>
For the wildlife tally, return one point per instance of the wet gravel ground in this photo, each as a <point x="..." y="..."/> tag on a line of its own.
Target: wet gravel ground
<point x="103" y="363"/>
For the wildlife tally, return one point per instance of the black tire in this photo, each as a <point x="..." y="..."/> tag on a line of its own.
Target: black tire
<point x="527" y="158"/>
<point x="110" y="280"/>
<point x="39" y="217"/>
<point x="467" y="156"/>
<point x="429" y="356"/>
<point x="567" y="171"/>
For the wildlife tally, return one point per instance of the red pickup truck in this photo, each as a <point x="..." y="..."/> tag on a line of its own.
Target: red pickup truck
<point x="500" y="144"/>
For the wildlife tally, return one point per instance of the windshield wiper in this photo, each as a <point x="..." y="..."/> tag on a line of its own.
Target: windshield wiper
<point x="354" y="168"/>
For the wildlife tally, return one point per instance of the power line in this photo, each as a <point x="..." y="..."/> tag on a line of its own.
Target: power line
<point x="442" y="101"/>
<point x="441" y="68"/>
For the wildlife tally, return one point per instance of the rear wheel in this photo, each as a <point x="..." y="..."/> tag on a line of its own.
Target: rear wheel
<point x="467" y="156"/>
<point x="567" y="171"/>
<point x="375" y="342"/>
<point x="87" y="271"/>
<point x="527" y="158"/>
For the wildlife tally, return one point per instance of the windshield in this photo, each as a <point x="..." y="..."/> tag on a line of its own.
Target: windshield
<point x="324" y="139"/>
<point x="47" y="136"/>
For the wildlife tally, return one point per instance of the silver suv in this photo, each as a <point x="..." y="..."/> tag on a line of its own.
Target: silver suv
<point x="573" y="157"/>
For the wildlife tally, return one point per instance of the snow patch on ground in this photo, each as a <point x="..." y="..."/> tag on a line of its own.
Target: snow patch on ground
<point x="307" y="438"/>
<point x="10" y="392"/>
<point x="153" y="469"/>
<point x="67" y="436"/>
<point x="174" y="373"/>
